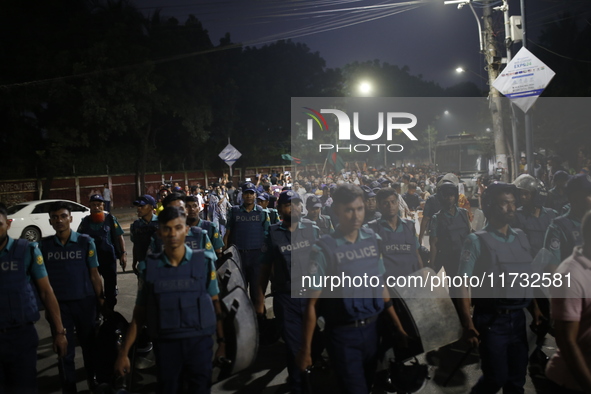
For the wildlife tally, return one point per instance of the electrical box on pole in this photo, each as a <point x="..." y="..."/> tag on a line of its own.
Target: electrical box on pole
<point x="516" y="28"/>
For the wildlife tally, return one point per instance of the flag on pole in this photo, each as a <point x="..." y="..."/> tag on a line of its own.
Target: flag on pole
<point x="335" y="160"/>
<point x="285" y="156"/>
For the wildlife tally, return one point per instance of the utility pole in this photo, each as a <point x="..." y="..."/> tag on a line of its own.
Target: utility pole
<point x="493" y="64"/>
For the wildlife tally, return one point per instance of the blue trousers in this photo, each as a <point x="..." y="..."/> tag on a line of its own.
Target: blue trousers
<point x="353" y="354"/>
<point x="503" y="352"/>
<point x="289" y="312"/>
<point x="251" y="269"/>
<point x="108" y="270"/>
<point x="191" y="357"/>
<point x="18" y="360"/>
<point x="81" y="315"/>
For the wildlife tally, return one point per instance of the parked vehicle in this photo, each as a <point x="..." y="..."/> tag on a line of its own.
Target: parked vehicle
<point x="30" y="220"/>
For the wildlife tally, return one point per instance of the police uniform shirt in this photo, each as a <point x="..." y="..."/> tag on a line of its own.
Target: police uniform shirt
<point x="97" y="226"/>
<point x="270" y="254"/>
<point x="143" y="288"/>
<point x="555" y="237"/>
<point x="156" y="245"/>
<point x="140" y="223"/>
<point x="318" y="261"/>
<point x="34" y="265"/>
<point x="471" y="249"/>
<point x="266" y="222"/>
<point x="91" y="258"/>
<point x="432" y="206"/>
<point x="217" y="241"/>
<point x="433" y="223"/>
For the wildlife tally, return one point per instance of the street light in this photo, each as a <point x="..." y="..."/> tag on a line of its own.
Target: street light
<point x="365" y="88"/>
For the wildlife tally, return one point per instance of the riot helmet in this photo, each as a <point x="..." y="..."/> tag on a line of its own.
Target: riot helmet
<point x="538" y="191"/>
<point x="446" y="189"/>
<point x="492" y="191"/>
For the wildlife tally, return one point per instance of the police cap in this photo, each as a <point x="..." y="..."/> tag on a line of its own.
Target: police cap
<point x="97" y="197"/>
<point x="146" y="199"/>
<point x="313" y="202"/>
<point x="249" y="187"/>
<point x="287" y="196"/>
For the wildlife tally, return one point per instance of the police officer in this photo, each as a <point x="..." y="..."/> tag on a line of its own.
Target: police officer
<point x="565" y="231"/>
<point x="449" y="229"/>
<point x="143" y="228"/>
<point x="212" y="229"/>
<point x="350" y="313"/>
<point x="247" y="225"/>
<point x="19" y="262"/>
<point x="263" y="201"/>
<point x="532" y="217"/>
<point x="178" y="298"/>
<point x="285" y="259"/>
<point x="196" y="238"/>
<point x="399" y="246"/>
<point x="498" y="322"/>
<point x="313" y="205"/>
<point x="432" y="206"/>
<point x="107" y="234"/>
<point x="371" y="211"/>
<point x="71" y="263"/>
<point x="557" y="198"/>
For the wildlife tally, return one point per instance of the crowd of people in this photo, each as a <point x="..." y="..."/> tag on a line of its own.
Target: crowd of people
<point x="288" y="225"/>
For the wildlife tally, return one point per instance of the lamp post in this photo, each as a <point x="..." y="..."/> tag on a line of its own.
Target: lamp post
<point x="488" y="49"/>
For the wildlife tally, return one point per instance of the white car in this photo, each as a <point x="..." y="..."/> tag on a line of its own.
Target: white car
<point x="30" y="220"/>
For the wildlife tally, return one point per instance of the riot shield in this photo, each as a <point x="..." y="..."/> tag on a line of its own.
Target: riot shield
<point x="230" y="276"/>
<point x="426" y="314"/>
<point x="240" y="331"/>
<point x="233" y="254"/>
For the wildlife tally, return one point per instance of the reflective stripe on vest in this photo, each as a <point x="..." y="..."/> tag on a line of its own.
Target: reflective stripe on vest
<point x="18" y="305"/>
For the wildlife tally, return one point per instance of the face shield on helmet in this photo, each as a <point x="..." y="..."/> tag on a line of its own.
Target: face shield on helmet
<point x="534" y="186"/>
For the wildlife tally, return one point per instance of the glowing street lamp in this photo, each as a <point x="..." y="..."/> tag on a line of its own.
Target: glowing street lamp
<point x="365" y="88"/>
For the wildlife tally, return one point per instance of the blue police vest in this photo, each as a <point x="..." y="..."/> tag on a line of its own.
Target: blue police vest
<point x="104" y="247"/>
<point x="67" y="269"/>
<point x="142" y="236"/>
<point x="294" y="248"/>
<point x="352" y="260"/>
<point x="194" y="239"/>
<point x="18" y="305"/>
<point x="180" y="306"/>
<point x="399" y="250"/>
<point x="534" y="228"/>
<point x="573" y="235"/>
<point x="451" y="232"/>
<point x="207" y="226"/>
<point x="508" y="258"/>
<point x="248" y="231"/>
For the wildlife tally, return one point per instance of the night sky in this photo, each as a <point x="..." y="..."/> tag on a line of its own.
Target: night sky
<point x="429" y="37"/>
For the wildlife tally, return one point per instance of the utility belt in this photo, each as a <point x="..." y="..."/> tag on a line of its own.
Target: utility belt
<point x="357" y="323"/>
